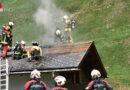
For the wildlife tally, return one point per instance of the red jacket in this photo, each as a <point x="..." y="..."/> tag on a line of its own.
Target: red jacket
<point x="59" y="87"/>
<point x="8" y="32"/>
<point x="99" y="84"/>
<point x="26" y="86"/>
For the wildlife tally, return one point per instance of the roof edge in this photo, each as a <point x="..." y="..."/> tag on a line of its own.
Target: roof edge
<point x="92" y="42"/>
<point x="45" y="71"/>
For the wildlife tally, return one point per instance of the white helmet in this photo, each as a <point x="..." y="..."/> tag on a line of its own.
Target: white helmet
<point x="58" y="32"/>
<point x="95" y="73"/>
<point x="11" y="23"/>
<point x="60" y="80"/>
<point x="23" y="42"/>
<point x="35" y="74"/>
<point x="65" y="17"/>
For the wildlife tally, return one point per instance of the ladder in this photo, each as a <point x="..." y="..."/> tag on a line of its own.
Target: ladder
<point x="4" y="74"/>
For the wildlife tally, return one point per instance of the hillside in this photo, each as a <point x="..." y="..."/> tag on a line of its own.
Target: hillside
<point x="106" y="22"/>
<point x="21" y="13"/>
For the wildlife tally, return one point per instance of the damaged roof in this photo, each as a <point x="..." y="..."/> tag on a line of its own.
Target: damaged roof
<point x="55" y="57"/>
<point x="66" y="56"/>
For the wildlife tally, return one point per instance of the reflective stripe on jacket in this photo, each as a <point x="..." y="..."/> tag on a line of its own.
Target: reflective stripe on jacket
<point x="35" y="85"/>
<point x="59" y="88"/>
<point x="99" y="84"/>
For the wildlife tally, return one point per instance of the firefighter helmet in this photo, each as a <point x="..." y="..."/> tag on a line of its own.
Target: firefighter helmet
<point x="60" y="80"/>
<point x="35" y="43"/>
<point x="58" y="31"/>
<point x="11" y="23"/>
<point x="95" y="73"/>
<point x="23" y="42"/>
<point x="35" y="74"/>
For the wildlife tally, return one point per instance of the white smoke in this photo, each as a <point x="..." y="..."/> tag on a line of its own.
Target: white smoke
<point x="50" y="17"/>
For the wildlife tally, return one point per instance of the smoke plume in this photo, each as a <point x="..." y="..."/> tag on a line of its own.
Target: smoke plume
<point x="49" y="17"/>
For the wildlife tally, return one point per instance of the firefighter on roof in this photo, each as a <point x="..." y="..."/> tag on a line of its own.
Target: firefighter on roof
<point x="8" y="30"/>
<point x="58" y="35"/>
<point x="35" y="53"/>
<point x="60" y="82"/>
<point x="19" y="50"/>
<point x="97" y="83"/>
<point x="35" y="83"/>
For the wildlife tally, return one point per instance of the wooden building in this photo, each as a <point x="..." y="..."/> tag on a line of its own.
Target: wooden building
<point x="74" y="61"/>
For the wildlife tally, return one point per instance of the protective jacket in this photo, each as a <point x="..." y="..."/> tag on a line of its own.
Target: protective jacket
<point x="19" y="51"/>
<point x="59" y="88"/>
<point x="68" y="25"/>
<point x="68" y="29"/>
<point x="10" y="36"/>
<point x="5" y="37"/>
<point x="18" y="48"/>
<point x="35" y="52"/>
<point x="99" y="84"/>
<point x="35" y="85"/>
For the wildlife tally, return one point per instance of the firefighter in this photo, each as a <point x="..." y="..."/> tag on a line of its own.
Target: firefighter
<point x="35" y="83"/>
<point x="19" y="50"/>
<point x="11" y="24"/>
<point x="8" y="29"/>
<point x="5" y="29"/>
<point x="58" y="35"/>
<point x="68" y="29"/>
<point x="5" y="37"/>
<point x="35" y="53"/>
<point x="97" y="83"/>
<point x="60" y="82"/>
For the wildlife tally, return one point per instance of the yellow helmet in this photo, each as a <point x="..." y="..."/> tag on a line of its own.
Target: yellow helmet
<point x="7" y="28"/>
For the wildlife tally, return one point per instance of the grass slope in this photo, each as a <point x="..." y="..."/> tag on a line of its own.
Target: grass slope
<point x="107" y="23"/>
<point x="21" y="13"/>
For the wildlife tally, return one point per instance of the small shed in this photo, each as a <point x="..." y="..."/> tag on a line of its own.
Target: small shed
<point x="74" y="61"/>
